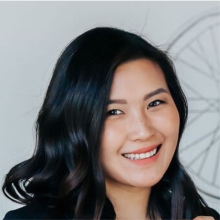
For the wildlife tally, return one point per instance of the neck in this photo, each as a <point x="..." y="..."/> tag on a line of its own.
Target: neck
<point x="128" y="202"/>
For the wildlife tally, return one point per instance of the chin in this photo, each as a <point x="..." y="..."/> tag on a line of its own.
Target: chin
<point x="145" y="182"/>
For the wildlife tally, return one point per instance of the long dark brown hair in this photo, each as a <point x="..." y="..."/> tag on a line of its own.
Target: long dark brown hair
<point x="65" y="173"/>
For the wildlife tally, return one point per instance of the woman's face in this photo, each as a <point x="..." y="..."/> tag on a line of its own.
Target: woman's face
<point x="141" y="127"/>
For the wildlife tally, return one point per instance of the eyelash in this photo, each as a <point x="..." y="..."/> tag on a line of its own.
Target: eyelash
<point x="113" y="110"/>
<point x="151" y="105"/>
<point x="155" y="103"/>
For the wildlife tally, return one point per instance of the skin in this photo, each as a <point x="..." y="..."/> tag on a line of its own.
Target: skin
<point x="204" y="218"/>
<point x="133" y="123"/>
<point x="141" y="114"/>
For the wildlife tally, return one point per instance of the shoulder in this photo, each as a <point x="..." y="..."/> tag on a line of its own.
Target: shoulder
<point x="32" y="211"/>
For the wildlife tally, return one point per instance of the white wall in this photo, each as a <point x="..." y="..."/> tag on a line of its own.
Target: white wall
<point x="32" y="35"/>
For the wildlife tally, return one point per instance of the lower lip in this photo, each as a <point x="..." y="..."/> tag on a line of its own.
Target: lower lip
<point x="146" y="161"/>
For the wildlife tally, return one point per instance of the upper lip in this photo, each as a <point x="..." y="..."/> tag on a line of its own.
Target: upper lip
<point x="143" y="149"/>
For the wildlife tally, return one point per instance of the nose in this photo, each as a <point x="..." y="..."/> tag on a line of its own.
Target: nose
<point x="140" y="127"/>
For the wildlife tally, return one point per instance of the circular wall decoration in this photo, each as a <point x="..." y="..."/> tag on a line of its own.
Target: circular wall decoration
<point x="196" y="52"/>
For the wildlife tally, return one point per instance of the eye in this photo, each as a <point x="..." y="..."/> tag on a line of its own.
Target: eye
<point x="114" y="112"/>
<point x="155" y="103"/>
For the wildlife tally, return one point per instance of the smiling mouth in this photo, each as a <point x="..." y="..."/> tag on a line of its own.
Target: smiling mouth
<point x="142" y="156"/>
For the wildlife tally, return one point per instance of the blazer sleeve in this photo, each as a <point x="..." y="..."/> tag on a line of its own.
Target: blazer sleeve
<point x="27" y="212"/>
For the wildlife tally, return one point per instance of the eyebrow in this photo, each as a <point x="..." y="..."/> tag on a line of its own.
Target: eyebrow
<point x="147" y="96"/>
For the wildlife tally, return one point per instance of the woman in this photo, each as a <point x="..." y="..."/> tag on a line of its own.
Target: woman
<point x="107" y="137"/>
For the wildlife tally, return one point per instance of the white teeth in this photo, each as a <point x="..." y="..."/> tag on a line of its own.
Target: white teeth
<point x="148" y="154"/>
<point x="141" y="156"/>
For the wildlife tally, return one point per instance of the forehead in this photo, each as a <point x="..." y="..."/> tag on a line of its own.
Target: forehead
<point x="141" y="75"/>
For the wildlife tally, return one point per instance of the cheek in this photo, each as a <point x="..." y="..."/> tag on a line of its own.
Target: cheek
<point x="108" y="133"/>
<point x="110" y="148"/>
<point x="174" y="123"/>
<point x="111" y="139"/>
<point x="112" y="134"/>
<point x="168" y="122"/>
